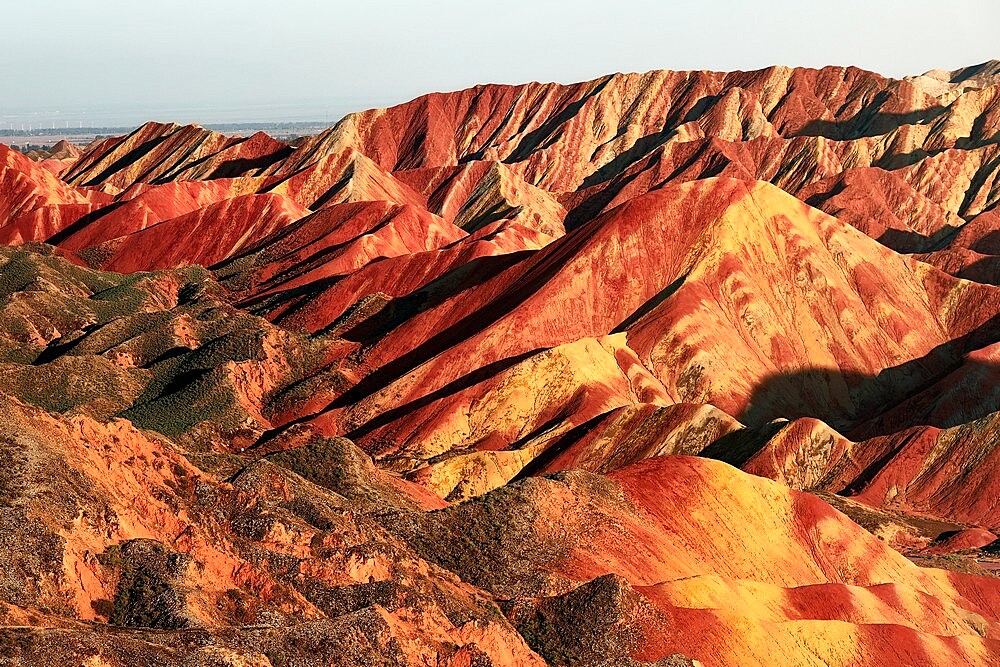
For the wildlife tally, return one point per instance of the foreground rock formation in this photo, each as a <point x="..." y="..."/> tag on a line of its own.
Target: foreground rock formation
<point x="659" y="369"/>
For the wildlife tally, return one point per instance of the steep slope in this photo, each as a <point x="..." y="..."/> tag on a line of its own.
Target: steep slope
<point x="25" y="186"/>
<point x="477" y="194"/>
<point x="949" y="474"/>
<point x="426" y="388"/>
<point x="113" y="525"/>
<point x="205" y="236"/>
<point x="729" y="293"/>
<point x="336" y="241"/>
<point x="151" y="152"/>
<point x="57" y="159"/>
<point x="143" y="206"/>
<point x="815" y="587"/>
<point x="541" y="156"/>
<point x="34" y="203"/>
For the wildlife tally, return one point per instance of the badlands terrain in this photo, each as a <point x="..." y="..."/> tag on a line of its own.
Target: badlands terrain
<point x="657" y="369"/>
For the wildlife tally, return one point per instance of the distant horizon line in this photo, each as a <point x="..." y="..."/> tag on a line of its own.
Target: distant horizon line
<point x="235" y="125"/>
<point x="315" y="112"/>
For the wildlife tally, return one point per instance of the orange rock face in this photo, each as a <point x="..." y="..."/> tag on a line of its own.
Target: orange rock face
<point x="658" y="369"/>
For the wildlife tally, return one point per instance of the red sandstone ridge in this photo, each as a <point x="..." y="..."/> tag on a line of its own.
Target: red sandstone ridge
<point x="57" y="159"/>
<point x="657" y="369"/>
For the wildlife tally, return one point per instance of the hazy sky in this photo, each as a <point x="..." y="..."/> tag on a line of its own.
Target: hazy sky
<point x="210" y="60"/>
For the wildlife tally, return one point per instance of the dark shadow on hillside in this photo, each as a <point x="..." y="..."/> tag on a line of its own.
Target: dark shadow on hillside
<point x="869" y="122"/>
<point x="906" y="241"/>
<point x="240" y="166"/>
<point x="817" y="200"/>
<point x="265" y="248"/>
<point x="459" y="279"/>
<point x="309" y="263"/>
<point x="893" y="161"/>
<point x="412" y="145"/>
<point x="499" y="211"/>
<point x="475" y="156"/>
<point x="554" y="448"/>
<point x="536" y="139"/>
<point x="640" y="149"/>
<point x="273" y="239"/>
<point x="985" y="270"/>
<point x="449" y="337"/>
<point x="82" y="223"/>
<point x="981" y="181"/>
<point x="60" y="347"/>
<point x="230" y="168"/>
<point x="544" y="264"/>
<point x="738" y="447"/>
<point x="334" y="189"/>
<point x="714" y="163"/>
<point x="988" y="244"/>
<point x="966" y="73"/>
<point x="645" y="145"/>
<point x="133" y="155"/>
<point x="593" y="205"/>
<point x="866" y="476"/>
<point x="812" y="392"/>
<point x="397" y="310"/>
<point x="299" y="296"/>
<point x="650" y="305"/>
<point x="469" y="380"/>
